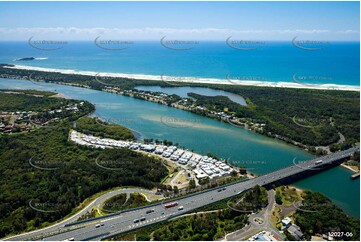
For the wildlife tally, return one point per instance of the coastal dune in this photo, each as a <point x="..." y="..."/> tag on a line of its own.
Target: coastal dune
<point x="194" y="80"/>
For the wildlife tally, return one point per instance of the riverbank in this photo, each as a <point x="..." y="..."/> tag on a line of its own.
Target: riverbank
<point x="174" y="80"/>
<point x="59" y="95"/>
<point x="198" y="167"/>
<point x="351" y="168"/>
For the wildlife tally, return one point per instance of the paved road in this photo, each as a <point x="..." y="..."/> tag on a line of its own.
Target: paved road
<point x="124" y="222"/>
<point x="253" y="227"/>
<point x="149" y="195"/>
<point x="96" y="203"/>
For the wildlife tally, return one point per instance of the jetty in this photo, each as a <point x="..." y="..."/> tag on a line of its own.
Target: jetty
<point x="354" y="176"/>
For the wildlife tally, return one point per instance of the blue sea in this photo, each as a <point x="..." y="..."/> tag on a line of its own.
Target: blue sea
<point x="336" y="63"/>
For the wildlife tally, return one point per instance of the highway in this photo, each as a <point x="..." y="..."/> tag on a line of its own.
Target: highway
<point x="124" y="222"/>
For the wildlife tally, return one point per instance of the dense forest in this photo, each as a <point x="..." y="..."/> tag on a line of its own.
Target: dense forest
<point x="99" y="128"/>
<point x="218" y="103"/>
<point x="36" y="101"/>
<point x="44" y="176"/>
<point x="208" y="226"/>
<point x="319" y="215"/>
<point x="97" y="83"/>
<point x="73" y="176"/>
<point x="252" y="200"/>
<point x="311" y="117"/>
<point x="321" y="113"/>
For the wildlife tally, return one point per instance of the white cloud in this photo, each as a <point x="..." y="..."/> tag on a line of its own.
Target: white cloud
<point x="155" y="33"/>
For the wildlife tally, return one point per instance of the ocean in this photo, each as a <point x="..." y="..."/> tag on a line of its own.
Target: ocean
<point x="334" y="63"/>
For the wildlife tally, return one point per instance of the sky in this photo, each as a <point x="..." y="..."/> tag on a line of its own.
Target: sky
<point x="336" y="21"/>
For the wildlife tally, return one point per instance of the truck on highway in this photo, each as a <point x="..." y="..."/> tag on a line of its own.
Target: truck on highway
<point x="170" y="205"/>
<point x="318" y="162"/>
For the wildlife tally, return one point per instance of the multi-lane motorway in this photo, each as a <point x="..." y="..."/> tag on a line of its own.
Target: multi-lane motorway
<point x="105" y="227"/>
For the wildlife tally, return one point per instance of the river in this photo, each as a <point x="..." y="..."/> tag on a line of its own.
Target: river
<point x="202" y="135"/>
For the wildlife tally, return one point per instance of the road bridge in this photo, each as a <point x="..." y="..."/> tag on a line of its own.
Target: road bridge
<point x="108" y="226"/>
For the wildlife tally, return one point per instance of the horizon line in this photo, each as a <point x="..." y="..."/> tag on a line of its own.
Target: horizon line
<point x="178" y="39"/>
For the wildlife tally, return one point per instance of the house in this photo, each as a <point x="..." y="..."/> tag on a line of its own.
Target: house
<point x="286" y="222"/>
<point x="295" y="231"/>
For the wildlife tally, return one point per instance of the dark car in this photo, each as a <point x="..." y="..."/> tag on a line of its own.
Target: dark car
<point x="150" y="211"/>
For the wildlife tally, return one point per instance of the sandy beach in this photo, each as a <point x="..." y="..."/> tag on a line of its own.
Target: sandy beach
<point x="170" y="79"/>
<point x="351" y="168"/>
<point x="59" y="95"/>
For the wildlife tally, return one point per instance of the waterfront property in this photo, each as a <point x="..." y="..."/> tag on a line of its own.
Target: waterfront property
<point x="199" y="166"/>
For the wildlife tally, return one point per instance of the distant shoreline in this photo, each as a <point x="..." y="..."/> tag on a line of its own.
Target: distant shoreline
<point x="169" y="79"/>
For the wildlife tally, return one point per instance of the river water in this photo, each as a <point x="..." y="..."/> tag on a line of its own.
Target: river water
<point x="200" y="134"/>
<point x="183" y="92"/>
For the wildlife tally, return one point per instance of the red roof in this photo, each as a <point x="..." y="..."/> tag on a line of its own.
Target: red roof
<point x="276" y="237"/>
